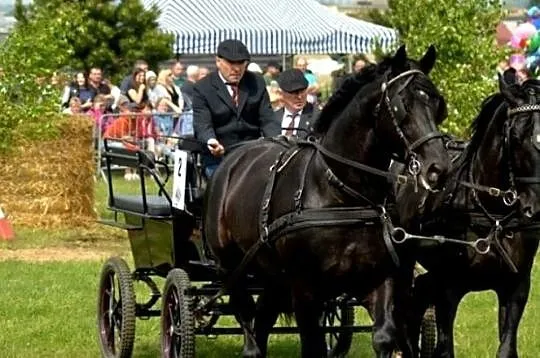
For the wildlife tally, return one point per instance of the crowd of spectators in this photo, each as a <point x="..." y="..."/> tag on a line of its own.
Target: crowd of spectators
<point x="150" y="108"/>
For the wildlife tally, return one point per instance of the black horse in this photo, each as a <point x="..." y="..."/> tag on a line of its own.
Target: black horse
<point x="488" y="211"/>
<point x="308" y="218"/>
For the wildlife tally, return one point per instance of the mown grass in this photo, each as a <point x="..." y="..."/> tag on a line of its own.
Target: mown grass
<point x="49" y="309"/>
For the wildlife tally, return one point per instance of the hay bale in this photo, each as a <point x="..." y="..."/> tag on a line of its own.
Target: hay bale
<point x="50" y="183"/>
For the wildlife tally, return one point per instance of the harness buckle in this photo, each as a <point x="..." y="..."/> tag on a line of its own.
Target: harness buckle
<point x="509" y="197"/>
<point x="298" y="200"/>
<point x="402" y="179"/>
<point x="494" y="191"/>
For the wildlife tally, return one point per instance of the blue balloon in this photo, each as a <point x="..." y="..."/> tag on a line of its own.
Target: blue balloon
<point x="536" y="23"/>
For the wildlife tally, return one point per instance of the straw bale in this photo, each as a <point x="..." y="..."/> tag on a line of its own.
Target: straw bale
<point x="50" y="183"/>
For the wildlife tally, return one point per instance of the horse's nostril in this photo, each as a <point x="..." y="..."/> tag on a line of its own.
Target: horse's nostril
<point x="433" y="177"/>
<point x="434" y="171"/>
<point x="528" y="212"/>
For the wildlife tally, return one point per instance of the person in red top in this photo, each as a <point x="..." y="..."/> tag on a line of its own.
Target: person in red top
<point x="124" y="128"/>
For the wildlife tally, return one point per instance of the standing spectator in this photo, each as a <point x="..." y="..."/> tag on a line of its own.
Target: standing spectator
<point x="203" y="72"/>
<point x="138" y="65"/>
<point x="147" y="131"/>
<point x="165" y="87"/>
<point x="96" y="84"/>
<point x="137" y="88"/>
<point x="230" y="105"/>
<point x="313" y="87"/>
<point x="178" y="74"/>
<point x="273" y="69"/>
<point x="192" y="75"/>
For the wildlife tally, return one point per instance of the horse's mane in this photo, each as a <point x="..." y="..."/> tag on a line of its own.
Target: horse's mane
<point x="347" y="92"/>
<point x="481" y="123"/>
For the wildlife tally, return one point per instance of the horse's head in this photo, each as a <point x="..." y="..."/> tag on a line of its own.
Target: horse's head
<point x="521" y="143"/>
<point x="408" y="111"/>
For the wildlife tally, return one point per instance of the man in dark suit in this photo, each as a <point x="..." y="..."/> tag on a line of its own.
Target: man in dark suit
<point x="231" y="105"/>
<point x="297" y="115"/>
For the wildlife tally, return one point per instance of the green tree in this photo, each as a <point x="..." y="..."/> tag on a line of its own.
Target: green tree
<point x="534" y="3"/>
<point x="52" y="35"/>
<point x="101" y="33"/>
<point x="463" y="32"/>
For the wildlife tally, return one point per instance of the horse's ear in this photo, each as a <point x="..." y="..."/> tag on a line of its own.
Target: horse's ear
<point x="400" y="58"/>
<point x="507" y="85"/>
<point x="428" y="61"/>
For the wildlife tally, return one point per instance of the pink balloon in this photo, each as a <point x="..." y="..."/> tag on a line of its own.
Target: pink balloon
<point x="525" y="30"/>
<point x="516" y="42"/>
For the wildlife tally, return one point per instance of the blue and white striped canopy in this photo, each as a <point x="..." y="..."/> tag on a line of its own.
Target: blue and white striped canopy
<point x="267" y="27"/>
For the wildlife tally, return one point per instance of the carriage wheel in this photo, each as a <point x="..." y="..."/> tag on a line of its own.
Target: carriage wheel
<point x="116" y="309"/>
<point x="338" y="314"/>
<point x="177" y="321"/>
<point x="428" y="334"/>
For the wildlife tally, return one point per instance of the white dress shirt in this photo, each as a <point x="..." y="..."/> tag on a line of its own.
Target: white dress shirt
<point x="287" y="118"/>
<point x="226" y="84"/>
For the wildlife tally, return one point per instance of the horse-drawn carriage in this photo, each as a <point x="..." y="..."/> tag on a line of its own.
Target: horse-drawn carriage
<point x="163" y="231"/>
<point x="316" y="214"/>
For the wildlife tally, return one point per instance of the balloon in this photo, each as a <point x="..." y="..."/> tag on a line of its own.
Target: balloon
<point x="534" y="43"/>
<point x="533" y="12"/>
<point x="525" y="30"/>
<point x="518" y="42"/>
<point x="536" y="22"/>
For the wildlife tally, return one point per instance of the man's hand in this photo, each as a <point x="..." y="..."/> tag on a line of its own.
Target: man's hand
<point x="215" y="147"/>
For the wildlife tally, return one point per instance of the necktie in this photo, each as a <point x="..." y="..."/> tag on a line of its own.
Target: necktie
<point x="234" y="95"/>
<point x="290" y="128"/>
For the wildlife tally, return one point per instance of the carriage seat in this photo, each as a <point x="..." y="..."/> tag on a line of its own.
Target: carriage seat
<point x="156" y="205"/>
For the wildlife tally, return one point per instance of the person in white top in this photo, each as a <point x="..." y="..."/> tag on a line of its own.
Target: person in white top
<point x="297" y="115"/>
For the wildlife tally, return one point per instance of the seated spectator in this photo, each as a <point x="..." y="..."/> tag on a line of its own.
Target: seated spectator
<point x="97" y="112"/>
<point x="151" y="81"/>
<point x="138" y="65"/>
<point x="136" y="92"/>
<point x="165" y="87"/>
<point x="78" y="88"/>
<point x="163" y="117"/>
<point x="74" y="106"/>
<point x="124" y="128"/>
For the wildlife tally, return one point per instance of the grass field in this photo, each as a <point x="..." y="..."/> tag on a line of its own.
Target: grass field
<point x="48" y="294"/>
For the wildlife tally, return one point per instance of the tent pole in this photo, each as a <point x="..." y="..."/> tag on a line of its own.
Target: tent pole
<point x="350" y="60"/>
<point x="284" y="61"/>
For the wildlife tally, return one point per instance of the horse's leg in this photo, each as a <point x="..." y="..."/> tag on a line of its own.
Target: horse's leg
<point x="268" y="309"/>
<point x="446" y="305"/>
<point x="512" y="301"/>
<point x="381" y="306"/>
<point x="308" y="311"/>
<point x="424" y="287"/>
<point x="243" y="307"/>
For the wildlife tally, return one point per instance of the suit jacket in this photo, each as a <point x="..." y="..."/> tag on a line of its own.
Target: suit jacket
<point x="309" y="115"/>
<point x="215" y="115"/>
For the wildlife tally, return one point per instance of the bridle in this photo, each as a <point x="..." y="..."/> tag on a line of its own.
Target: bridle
<point x="397" y="112"/>
<point x="509" y="196"/>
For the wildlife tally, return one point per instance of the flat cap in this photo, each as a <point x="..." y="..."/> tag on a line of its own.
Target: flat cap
<point x="233" y="50"/>
<point x="292" y="80"/>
